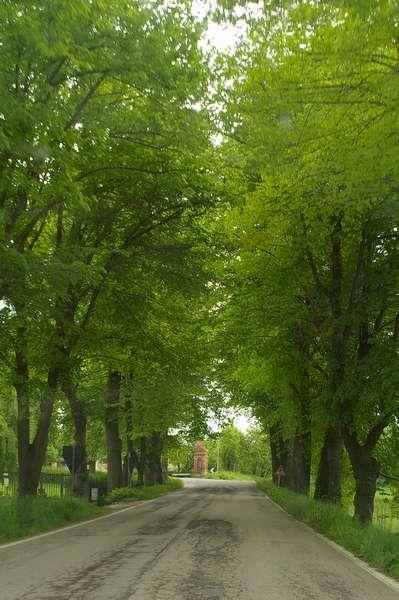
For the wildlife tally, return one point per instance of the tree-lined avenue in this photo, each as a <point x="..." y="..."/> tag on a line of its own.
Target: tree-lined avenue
<point x="214" y="540"/>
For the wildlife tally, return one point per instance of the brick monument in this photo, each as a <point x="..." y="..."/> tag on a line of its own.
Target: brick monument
<point x="200" y="463"/>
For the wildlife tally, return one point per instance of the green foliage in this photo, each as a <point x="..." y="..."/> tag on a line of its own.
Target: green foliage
<point x="106" y="173"/>
<point x="231" y="450"/>
<point x="180" y="453"/>
<point x="56" y="470"/>
<point x="374" y="545"/>
<point x="225" y="449"/>
<point x="130" y="494"/>
<point x="27" y="516"/>
<point x="230" y="475"/>
<point x="308" y="331"/>
<point x="99" y="480"/>
<point x="263" y="272"/>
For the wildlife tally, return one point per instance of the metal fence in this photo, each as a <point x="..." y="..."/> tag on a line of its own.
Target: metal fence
<point x="53" y="485"/>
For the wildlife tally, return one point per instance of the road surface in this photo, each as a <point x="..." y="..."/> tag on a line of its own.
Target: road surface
<point x="213" y="540"/>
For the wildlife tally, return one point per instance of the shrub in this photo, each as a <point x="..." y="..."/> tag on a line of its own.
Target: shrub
<point x="99" y="480"/>
<point x="231" y="475"/>
<point x="128" y="494"/>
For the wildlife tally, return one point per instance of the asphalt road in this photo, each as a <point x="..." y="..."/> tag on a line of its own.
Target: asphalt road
<point x="214" y="540"/>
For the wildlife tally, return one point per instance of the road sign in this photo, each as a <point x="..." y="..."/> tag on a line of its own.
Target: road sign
<point x="94" y="494"/>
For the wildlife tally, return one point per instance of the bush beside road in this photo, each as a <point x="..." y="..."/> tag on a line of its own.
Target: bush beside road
<point x="231" y="475"/>
<point x="130" y="494"/>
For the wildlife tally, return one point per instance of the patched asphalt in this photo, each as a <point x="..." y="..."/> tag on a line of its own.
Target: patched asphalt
<point x="214" y="540"/>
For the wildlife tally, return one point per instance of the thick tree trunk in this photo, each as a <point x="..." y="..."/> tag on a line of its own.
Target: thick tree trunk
<point x="366" y="469"/>
<point x="279" y="452"/>
<point x="25" y="483"/>
<point x="299" y="460"/>
<point x="153" y="472"/>
<point x="130" y="462"/>
<point x="130" y="459"/>
<point x="300" y="447"/>
<point x="298" y="468"/>
<point x="113" y="441"/>
<point x="31" y="455"/>
<point x="329" y="476"/>
<point x="142" y="460"/>
<point x="78" y="411"/>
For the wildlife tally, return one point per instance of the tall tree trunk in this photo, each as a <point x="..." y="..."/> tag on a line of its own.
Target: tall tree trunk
<point x="279" y="451"/>
<point x="79" y="416"/>
<point x="366" y="469"/>
<point x="113" y="441"/>
<point x="21" y="384"/>
<point x="299" y="463"/>
<point x="31" y="455"/>
<point x="130" y="459"/>
<point x="153" y="472"/>
<point x="298" y="468"/>
<point x="142" y="460"/>
<point x="329" y="476"/>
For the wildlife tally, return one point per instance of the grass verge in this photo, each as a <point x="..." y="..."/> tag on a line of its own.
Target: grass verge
<point x="372" y="544"/>
<point x="230" y="475"/>
<point x="20" y="517"/>
<point x="129" y="494"/>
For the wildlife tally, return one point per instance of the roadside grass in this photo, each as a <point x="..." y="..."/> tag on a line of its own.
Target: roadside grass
<point x="378" y="547"/>
<point x="129" y="494"/>
<point x="20" y="517"/>
<point x="231" y="475"/>
<point x="386" y="512"/>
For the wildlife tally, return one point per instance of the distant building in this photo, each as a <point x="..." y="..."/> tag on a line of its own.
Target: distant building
<point x="200" y="463"/>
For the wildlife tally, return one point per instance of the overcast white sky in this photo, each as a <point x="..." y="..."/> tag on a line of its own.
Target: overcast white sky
<point x="243" y="422"/>
<point x="224" y="37"/>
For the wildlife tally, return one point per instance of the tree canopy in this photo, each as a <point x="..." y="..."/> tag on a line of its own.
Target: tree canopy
<point x="182" y="229"/>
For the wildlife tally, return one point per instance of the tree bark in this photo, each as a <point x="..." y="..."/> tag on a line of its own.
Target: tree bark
<point x="130" y="459"/>
<point x="79" y="416"/>
<point x="153" y="472"/>
<point x="300" y="454"/>
<point x="366" y="469"/>
<point x="31" y="455"/>
<point x="21" y="385"/>
<point x="113" y="441"/>
<point x="298" y="468"/>
<point x="141" y="462"/>
<point x="279" y="452"/>
<point x="329" y="476"/>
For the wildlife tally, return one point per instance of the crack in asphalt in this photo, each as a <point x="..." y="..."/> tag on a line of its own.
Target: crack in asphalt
<point x="214" y="540"/>
<point x="76" y="585"/>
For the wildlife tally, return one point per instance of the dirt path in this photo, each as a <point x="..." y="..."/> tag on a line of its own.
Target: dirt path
<point x="214" y="540"/>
